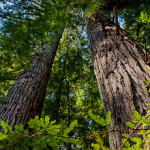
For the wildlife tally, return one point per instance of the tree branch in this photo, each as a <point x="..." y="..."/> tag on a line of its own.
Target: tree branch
<point x="116" y="17"/>
<point x="132" y="133"/>
<point x="90" y="137"/>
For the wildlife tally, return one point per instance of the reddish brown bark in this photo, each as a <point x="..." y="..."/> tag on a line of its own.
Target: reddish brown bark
<point x="25" y="99"/>
<point x="121" y="73"/>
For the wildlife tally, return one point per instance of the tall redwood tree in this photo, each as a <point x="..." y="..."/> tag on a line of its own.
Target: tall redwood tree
<point x="121" y="73"/>
<point x="25" y="99"/>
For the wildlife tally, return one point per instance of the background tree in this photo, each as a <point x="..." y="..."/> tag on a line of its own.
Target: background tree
<point x="73" y="65"/>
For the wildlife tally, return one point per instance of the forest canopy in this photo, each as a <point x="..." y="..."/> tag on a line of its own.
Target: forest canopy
<point x="68" y="110"/>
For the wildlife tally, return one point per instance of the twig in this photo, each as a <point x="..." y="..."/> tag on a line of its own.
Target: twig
<point x="131" y="133"/>
<point x="90" y="137"/>
<point x="6" y="15"/>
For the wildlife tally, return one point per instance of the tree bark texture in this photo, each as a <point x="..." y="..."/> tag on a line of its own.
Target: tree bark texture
<point x="25" y="99"/>
<point x="121" y="73"/>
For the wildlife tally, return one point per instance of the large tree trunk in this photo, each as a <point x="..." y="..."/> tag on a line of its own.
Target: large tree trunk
<point x="121" y="73"/>
<point x="25" y="99"/>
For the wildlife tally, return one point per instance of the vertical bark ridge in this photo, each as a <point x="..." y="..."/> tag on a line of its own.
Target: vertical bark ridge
<point x="25" y="99"/>
<point x="121" y="73"/>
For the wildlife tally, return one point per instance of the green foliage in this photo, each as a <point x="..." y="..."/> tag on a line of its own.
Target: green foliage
<point x="93" y="6"/>
<point x="20" y="37"/>
<point x="71" y="127"/>
<point x="6" y="127"/>
<point x="22" y="32"/>
<point x="145" y="17"/>
<point x="147" y="83"/>
<point x="100" y="120"/>
<point x="99" y="145"/>
<point x="135" y="19"/>
<point x="142" y="141"/>
<point x="100" y="140"/>
<point x="45" y="134"/>
<point x="73" y="65"/>
<point x="131" y="125"/>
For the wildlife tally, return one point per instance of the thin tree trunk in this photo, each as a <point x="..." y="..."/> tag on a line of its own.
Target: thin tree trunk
<point x="121" y="73"/>
<point x="69" y="115"/>
<point x="57" y="103"/>
<point x="25" y="99"/>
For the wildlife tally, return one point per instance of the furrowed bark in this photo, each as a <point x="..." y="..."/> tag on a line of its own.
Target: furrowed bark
<point x="25" y="99"/>
<point x="121" y="73"/>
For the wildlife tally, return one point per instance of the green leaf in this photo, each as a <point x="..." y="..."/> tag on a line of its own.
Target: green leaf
<point x="95" y="146"/>
<point x="147" y="82"/>
<point x="47" y="121"/>
<point x="108" y="117"/>
<point x="20" y="129"/>
<point x="125" y="135"/>
<point x="52" y="122"/>
<point x="71" y="127"/>
<point x="100" y="120"/>
<point x="131" y="125"/>
<point x="3" y="136"/>
<point x="135" y="139"/>
<point x="6" y="127"/>
<point x="148" y="104"/>
<point x="137" y="116"/>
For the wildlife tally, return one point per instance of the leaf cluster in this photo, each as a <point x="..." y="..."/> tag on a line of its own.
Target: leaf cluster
<point x="42" y="135"/>
<point x="140" y="138"/>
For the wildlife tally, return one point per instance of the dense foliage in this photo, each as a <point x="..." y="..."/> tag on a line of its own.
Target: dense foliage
<point x="72" y="98"/>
